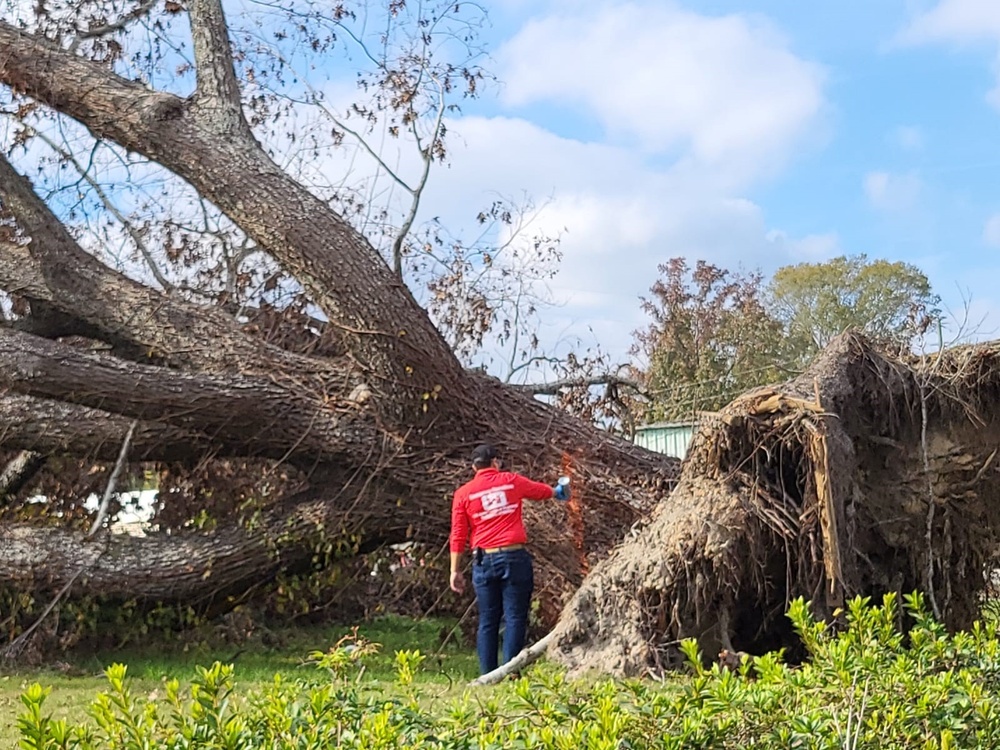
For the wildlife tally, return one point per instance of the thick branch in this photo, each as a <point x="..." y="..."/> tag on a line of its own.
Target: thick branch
<point x="194" y="567"/>
<point x="51" y="428"/>
<point x="218" y="95"/>
<point x="342" y="272"/>
<point x="160" y="568"/>
<point x="250" y="414"/>
<point x="48" y="265"/>
<point x="111" y="106"/>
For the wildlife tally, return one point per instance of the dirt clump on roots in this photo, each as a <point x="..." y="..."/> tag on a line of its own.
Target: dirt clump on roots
<point x="866" y="474"/>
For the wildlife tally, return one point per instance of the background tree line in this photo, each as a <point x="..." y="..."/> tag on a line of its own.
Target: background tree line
<point x="714" y="333"/>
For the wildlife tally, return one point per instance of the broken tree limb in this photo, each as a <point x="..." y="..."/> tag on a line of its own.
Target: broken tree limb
<point x="527" y="656"/>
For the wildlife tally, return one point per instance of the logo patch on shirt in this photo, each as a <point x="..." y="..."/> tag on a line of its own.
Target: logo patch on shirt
<point x="494" y="500"/>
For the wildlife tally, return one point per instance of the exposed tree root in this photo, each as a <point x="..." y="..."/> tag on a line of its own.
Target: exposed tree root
<point x="816" y="488"/>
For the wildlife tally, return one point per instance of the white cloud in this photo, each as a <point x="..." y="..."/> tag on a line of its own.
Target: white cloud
<point x="622" y="217"/>
<point x="722" y="90"/>
<point x="809" y="249"/>
<point x="954" y="21"/>
<point x="991" y="231"/>
<point x="958" y="22"/>
<point x="908" y="138"/>
<point x="892" y="192"/>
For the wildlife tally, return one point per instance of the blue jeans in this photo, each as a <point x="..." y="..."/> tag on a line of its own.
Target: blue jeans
<point x="503" y="582"/>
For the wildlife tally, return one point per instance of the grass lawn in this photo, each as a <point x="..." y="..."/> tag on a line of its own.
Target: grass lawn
<point x="444" y="673"/>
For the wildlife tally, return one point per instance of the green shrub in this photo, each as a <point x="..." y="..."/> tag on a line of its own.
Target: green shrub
<point x="866" y="685"/>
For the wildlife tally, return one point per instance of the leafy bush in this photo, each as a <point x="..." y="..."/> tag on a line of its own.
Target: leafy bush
<point x="866" y="685"/>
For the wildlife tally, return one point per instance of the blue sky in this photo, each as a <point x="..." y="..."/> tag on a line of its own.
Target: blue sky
<point x="745" y="132"/>
<point x="750" y="133"/>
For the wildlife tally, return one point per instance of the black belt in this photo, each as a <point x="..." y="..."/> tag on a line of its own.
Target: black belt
<point x="478" y="552"/>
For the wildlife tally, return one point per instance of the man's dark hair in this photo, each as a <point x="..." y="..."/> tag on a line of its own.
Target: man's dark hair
<point x="483" y="456"/>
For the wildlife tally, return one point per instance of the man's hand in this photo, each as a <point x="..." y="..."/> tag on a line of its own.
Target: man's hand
<point x="561" y="490"/>
<point x="457" y="582"/>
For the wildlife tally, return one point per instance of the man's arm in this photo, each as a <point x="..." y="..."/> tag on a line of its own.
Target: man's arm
<point x="457" y="541"/>
<point x="531" y="490"/>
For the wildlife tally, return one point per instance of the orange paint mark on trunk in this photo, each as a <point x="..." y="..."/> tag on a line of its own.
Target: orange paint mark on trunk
<point x="575" y="510"/>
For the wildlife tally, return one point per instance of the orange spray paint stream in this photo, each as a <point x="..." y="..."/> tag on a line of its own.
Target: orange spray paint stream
<point x="575" y="509"/>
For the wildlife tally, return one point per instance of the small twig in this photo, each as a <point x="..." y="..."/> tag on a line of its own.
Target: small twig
<point x="13" y="649"/>
<point x="140" y="10"/>
<point x="102" y="512"/>
<point x="454" y="629"/>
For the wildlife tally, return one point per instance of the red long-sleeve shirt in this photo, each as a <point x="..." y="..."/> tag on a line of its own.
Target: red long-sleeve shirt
<point x="489" y="506"/>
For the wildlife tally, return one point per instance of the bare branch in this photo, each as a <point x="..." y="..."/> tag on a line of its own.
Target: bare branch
<point x="218" y="89"/>
<point x="134" y="233"/>
<point x="551" y="389"/>
<point x="140" y="10"/>
<point x="109" y="490"/>
<point x="366" y="146"/>
<point x="427" y="154"/>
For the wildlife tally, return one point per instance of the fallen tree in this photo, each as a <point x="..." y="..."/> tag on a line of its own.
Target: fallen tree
<point x="866" y="474"/>
<point x="381" y="418"/>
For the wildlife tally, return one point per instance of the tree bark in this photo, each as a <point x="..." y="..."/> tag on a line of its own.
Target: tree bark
<point x="18" y="472"/>
<point x="192" y="567"/>
<point x="48" y="428"/>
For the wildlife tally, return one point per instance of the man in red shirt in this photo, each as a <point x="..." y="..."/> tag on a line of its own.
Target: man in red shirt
<point x="488" y="508"/>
